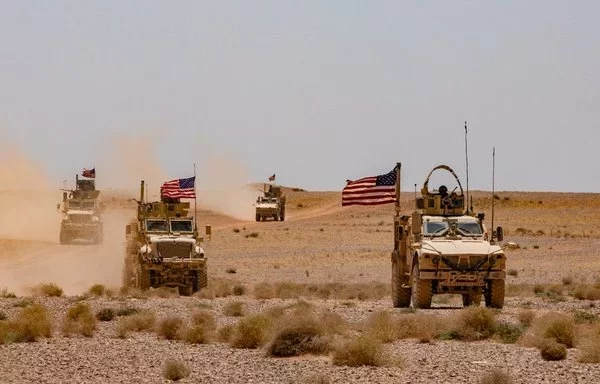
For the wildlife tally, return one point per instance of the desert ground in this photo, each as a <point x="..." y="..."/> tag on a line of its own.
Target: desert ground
<point x="325" y="269"/>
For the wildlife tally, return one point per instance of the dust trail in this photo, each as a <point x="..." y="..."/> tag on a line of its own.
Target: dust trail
<point x="222" y="188"/>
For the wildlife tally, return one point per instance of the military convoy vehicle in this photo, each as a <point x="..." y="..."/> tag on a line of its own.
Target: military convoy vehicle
<point x="163" y="247"/>
<point x="445" y="248"/>
<point x="271" y="205"/>
<point x="81" y="210"/>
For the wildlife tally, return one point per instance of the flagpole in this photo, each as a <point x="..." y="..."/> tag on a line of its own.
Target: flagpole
<point x="398" y="168"/>
<point x="195" y="205"/>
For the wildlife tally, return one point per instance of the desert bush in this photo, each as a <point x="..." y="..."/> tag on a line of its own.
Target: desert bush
<point x="79" y="319"/>
<point x="519" y="290"/>
<point x="475" y="323"/>
<point x="170" y="328"/>
<point x="251" y="332"/>
<point x="333" y="323"/>
<point x="586" y="292"/>
<point x="419" y="326"/>
<point x="584" y="317"/>
<point x="204" y="318"/>
<point x="559" y="327"/>
<point x="216" y="288"/>
<point x="360" y="351"/>
<point x="526" y="317"/>
<point x="512" y="272"/>
<point x="288" y="290"/>
<point x="48" y="290"/>
<point x="163" y="292"/>
<point x="23" y="303"/>
<point x="105" y="314"/>
<point x="97" y="290"/>
<point x="496" y="376"/>
<point x="552" y="351"/>
<point x="381" y="326"/>
<point x="567" y="280"/>
<point x="225" y="333"/>
<point x="196" y="334"/>
<point x="236" y="230"/>
<point x="231" y="270"/>
<point x="539" y="288"/>
<point x="300" y="335"/>
<point x="251" y="235"/>
<point x="31" y="323"/>
<point x="6" y="294"/>
<point x="509" y="333"/>
<point x="264" y="291"/>
<point x="3" y="316"/>
<point x="589" y="350"/>
<point x="235" y="308"/>
<point x="316" y="378"/>
<point x="239" y="290"/>
<point x="175" y="370"/>
<point x="137" y="322"/>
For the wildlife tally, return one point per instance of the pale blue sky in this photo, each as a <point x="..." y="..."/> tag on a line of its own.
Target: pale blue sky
<point x="331" y="89"/>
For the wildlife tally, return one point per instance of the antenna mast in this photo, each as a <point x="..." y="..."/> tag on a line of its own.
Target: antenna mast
<point x="398" y="168"/>
<point x="467" y="165"/>
<point x="493" y="187"/>
<point x="195" y="205"/>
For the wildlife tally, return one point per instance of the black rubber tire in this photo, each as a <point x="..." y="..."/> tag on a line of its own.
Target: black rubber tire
<point x="143" y="282"/>
<point x="473" y="298"/>
<point x="186" y="291"/>
<point x="203" y="278"/>
<point x="257" y="217"/>
<point x="275" y="218"/>
<point x="195" y="280"/>
<point x="282" y="217"/>
<point x="422" y="290"/>
<point x="494" y="294"/>
<point x="400" y="295"/>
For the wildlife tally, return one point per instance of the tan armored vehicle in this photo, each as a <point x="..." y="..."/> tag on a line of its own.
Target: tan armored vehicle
<point x="445" y="248"/>
<point x="163" y="247"/>
<point x="81" y="210"/>
<point x="271" y="205"/>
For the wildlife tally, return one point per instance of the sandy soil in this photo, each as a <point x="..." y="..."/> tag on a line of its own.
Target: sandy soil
<point x="320" y="242"/>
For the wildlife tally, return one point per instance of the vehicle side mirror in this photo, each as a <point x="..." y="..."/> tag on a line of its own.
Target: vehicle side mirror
<point x="128" y="229"/>
<point x="499" y="234"/>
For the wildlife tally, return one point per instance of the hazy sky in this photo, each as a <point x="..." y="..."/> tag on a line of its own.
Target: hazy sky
<point x="315" y="91"/>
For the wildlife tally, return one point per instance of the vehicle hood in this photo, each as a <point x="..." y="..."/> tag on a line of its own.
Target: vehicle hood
<point x="454" y="247"/>
<point x="79" y="212"/>
<point x="171" y="239"/>
<point x="266" y="205"/>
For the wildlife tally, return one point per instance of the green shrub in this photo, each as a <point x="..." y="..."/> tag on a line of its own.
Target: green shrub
<point x="251" y="332"/>
<point x="175" y="370"/>
<point x="475" y="323"/>
<point x="170" y="328"/>
<point x="79" y="319"/>
<point x="97" y="290"/>
<point x="552" y="351"/>
<point x="105" y="314"/>
<point x="509" y="333"/>
<point x="30" y="324"/>
<point x="48" y="290"/>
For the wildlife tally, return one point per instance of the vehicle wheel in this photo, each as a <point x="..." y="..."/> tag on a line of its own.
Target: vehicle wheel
<point x="494" y="294"/>
<point x="422" y="290"/>
<point x="473" y="298"/>
<point x="257" y="217"/>
<point x="186" y="291"/>
<point x="282" y="217"/>
<point x="203" y="278"/>
<point x="143" y="277"/>
<point x="275" y="217"/>
<point x="195" y="278"/>
<point x="400" y="295"/>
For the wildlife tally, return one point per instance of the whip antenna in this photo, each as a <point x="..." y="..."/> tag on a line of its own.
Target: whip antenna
<point x="493" y="187"/>
<point x="467" y="165"/>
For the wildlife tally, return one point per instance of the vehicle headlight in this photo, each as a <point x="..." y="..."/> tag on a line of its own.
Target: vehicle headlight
<point x="199" y="251"/>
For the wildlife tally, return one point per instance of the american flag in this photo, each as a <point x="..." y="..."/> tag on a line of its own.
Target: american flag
<point x="371" y="190"/>
<point x="90" y="173"/>
<point x="179" y="188"/>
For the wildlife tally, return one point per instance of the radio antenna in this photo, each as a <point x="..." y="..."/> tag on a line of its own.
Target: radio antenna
<point x="416" y="196"/>
<point x="467" y="165"/>
<point x="493" y="187"/>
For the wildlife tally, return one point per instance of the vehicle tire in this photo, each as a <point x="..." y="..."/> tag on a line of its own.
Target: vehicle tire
<point x="143" y="276"/>
<point x="275" y="217"/>
<point x="422" y="290"/>
<point x="473" y="298"/>
<point x="203" y="278"/>
<point x="282" y="217"/>
<point x="257" y="217"/>
<point x="400" y="295"/>
<point x="494" y="294"/>
<point x="186" y="291"/>
<point x="195" y="281"/>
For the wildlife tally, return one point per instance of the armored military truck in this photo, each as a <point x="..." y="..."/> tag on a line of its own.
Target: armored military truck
<point x="81" y="210"/>
<point x="271" y="205"/>
<point x="445" y="248"/>
<point x="163" y="247"/>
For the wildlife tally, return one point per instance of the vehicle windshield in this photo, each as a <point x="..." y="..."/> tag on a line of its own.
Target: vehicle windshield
<point x="74" y="204"/>
<point x="181" y="226"/>
<point x="88" y="205"/>
<point x="156" y="226"/>
<point x="440" y="228"/>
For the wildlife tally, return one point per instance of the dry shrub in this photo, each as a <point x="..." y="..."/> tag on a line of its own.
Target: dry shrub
<point x="3" y="316"/>
<point x="6" y="294"/>
<point x="235" y="308"/>
<point x="251" y="235"/>
<point x="509" y="333"/>
<point x="216" y="288"/>
<point x="47" y="290"/>
<point x="170" y="328"/>
<point x="205" y="319"/>
<point x="496" y="376"/>
<point x="419" y="326"/>
<point x="31" y="323"/>
<point x="231" y="270"/>
<point x="552" y="351"/>
<point x="97" y="290"/>
<point x="526" y="317"/>
<point x="127" y="311"/>
<point x="225" y="333"/>
<point x="586" y="292"/>
<point x="196" y="334"/>
<point x="300" y="335"/>
<point x="589" y="350"/>
<point x="239" y="290"/>
<point x="556" y="326"/>
<point x="584" y="317"/>
<point x="264" y="291"/>
<point x="567" y="280"/>
<point x="175" y="370"/>
<point x="333" y="323"/>
<point x="539" y="289"/>
<point x="512" y="272"/>
<point x="105" y="314"/>
<point x="317" y="378"/>
<point x="475" y="323"/>
<point x="251" y="332"/>
<point x="519" y="290"/>
<point x="381" y="326"/>
<point x="79" y="320"/>
<point x="288" y="290"/>
<point x="360" y="351"/>
<point x="141" y="321"/>
<point x="163" y="292"/>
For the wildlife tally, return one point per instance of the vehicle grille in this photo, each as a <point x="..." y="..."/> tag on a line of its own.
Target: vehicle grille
<point x="80" y="219"/>
<point x="464" y="261"/>
<point x="174" y="249"/>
